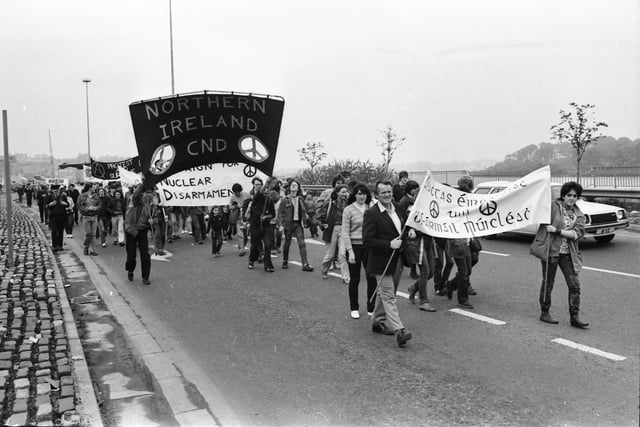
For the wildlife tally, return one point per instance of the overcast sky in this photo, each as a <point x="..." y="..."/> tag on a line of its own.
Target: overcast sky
<point x="459" y="79"/>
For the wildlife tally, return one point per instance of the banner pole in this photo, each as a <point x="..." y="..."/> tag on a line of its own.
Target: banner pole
<point x="7" y="184"/>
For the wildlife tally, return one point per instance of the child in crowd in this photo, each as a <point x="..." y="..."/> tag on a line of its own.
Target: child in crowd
<point x="216" y="226"/>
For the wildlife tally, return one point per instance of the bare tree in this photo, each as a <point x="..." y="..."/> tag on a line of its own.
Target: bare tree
<point x="312" y="153"/>
<point x="579" y="128"/>
<point x="389" y="145"/>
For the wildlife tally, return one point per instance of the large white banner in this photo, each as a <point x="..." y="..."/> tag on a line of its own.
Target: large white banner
<point x="206" y="185"/>
<point x="443" y="211"/>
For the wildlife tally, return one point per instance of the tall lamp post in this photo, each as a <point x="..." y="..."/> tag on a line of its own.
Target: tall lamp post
<point x="86" y="84"/>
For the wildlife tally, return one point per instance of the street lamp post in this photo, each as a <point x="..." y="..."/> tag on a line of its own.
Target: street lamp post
<point x="86" y="83"/>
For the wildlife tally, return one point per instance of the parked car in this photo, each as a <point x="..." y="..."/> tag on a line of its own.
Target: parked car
<point x="602" y="220"/>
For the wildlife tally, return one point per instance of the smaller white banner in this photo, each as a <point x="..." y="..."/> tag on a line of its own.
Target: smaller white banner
<point x="206" y="185"/>
<point x="128" y="178"/>
<point x="443" y="211"/>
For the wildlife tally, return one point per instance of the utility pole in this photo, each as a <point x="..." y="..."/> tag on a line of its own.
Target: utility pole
<point x="51" y="161"/>
<point x="173" y="91"/>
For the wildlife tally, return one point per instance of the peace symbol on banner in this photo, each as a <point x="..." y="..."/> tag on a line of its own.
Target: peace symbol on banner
<point x="488" y="207"/>
<point x="249" y="171"/>
<point x="434" y="209"/>
<point x="253" y="149"/>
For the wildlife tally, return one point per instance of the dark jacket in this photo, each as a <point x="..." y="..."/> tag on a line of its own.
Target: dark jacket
<point x="58" y="206"/>
<point x="116" y="206"/>
<point x="285" y="212"/>
<point x="216" y="223"/>
<point x="261" y="211"/>
<point x="139" y="212"/>
<point x="378" y="231"/>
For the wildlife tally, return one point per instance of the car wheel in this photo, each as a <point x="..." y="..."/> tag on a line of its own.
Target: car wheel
<point x="605" y="239"/>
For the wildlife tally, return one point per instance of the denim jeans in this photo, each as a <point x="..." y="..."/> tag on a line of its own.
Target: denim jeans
<point x="295" y="230"/>
<point x="571" y="277"/>
<point x="90" y="224"/>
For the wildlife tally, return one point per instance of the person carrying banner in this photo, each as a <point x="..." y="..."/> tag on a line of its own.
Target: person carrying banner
<point x="382" y="230"/>
<point x="137" y="223"/>
<point x="556" y="245"/>
<point x="292" y="218"/>
<point x="240" y="198"/>
<point x="261" y="211"/>
<point x="351" y="234"/>
<point x="417" y="251"/>
<point x="88" y="206"/>
<point x="460" y="251"/>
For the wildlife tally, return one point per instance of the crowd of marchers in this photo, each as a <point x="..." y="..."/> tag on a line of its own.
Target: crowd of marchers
<point x="362" y="225"/>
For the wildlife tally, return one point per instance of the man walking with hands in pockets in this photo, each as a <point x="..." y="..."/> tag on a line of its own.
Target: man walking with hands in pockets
<point x="382" y="235"/>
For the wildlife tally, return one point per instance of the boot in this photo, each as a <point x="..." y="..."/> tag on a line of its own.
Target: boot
<point x="546" y="317"/>
<point x="413" y="289"/>
<point x="576" y="322"/>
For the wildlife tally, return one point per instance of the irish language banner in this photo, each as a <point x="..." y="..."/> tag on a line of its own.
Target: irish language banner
<point x="443" y="211"/>
<point x="206" y="185"/>
<point x="109" y="170"/>
<point x="184" y="131"/>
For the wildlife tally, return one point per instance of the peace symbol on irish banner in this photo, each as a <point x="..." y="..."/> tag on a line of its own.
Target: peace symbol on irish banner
<point x="434" y="209"/>
<point x="253" y="149"/>
<point x="488" y="207"/>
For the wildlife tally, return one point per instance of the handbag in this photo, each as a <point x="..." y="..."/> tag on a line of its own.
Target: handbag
<point x="475" y="245"/>
<point x="540" y="246"/>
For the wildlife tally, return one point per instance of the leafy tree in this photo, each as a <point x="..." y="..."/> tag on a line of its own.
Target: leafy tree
<point x="312" y="153"/>
<point x="389" y="145"/>
<point x="579" y="128"/>
<point x="361" y="171"/>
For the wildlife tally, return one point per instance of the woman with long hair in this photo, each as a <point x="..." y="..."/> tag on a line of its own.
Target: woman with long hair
<point x="351" y="236"/>
<point x="292" y="217"/>
<point x="330" y="216"/>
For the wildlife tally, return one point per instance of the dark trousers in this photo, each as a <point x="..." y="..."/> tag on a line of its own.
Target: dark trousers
<point x="43" y="213"/>
<point x="261" y="236"/>
<point x="361" y="252"/>
<point x="295" y="230"/>
<point x="29" y="200"/>
<point x="277" y="237"/>
<point x="462" y="276"/>
<point x="198" y="227"/>
<point x="57" y="223"/>
<point x="573" y="283"/>
<point x="443" y="264"/>
<point x="216" y="241"/>
<point x="139" y="241"/>
<point x="426" y="272"/>
<point x="69" y="224"/>
<point x="160" y="233"/>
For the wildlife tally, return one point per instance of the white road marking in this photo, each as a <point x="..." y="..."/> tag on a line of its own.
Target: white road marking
<point x="588" y="349"/>
<point x="478" y="317"/>
<point x="620" y="273"/>
<point x="494" y="253"/>
<point x="314" y="242"/>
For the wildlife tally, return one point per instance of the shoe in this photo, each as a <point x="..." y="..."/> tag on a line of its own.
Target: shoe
<point x="285" y="265"/>
<point x="577" y="323"/>
<point x="471" y="291"/>
<point x="325" y="276"/>
<point x="201" y="242"/>
<point x="381" y="328"/>
<point x="250" y="265"/>
<point x="402" y="337"/>
<point x="104" y="245"/>
<point x="546" y="317"/>
<point x="242" y="253"/>
<point x="93" y="253"/>
<point x="441" y="292"/>
<point x="269" y="269"/>
<point x="346" y="281"/>
<point x="425" y="306"/>
<point x="465" y="305"/>
<point x="307" y="267"/>
<point x="146" y="281"/>
<point x="355" y="314"/>
<point x="121" y="243"/>
<point x="370" y="314"/>
<point x="162" y="253"/>
<point x="86" y="251"/>
<point x="69" y="236"/>
<point x="412" y="293"/>
<point x="130" y="276"/>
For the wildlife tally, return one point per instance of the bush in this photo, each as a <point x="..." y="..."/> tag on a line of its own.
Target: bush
<point x="361" y="171"/>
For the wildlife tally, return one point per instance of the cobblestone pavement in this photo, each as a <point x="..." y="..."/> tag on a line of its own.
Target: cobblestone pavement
<point x="37" y="385"/>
